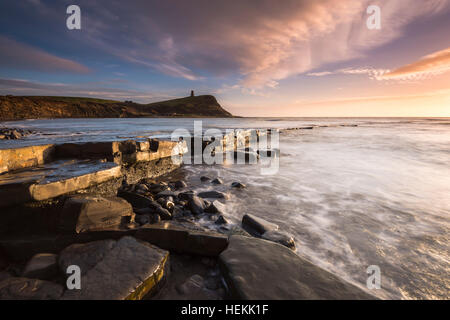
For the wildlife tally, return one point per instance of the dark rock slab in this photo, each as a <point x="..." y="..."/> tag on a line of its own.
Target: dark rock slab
<point x="54" y="179"/>
<point x="213" y="195"/>
<point x="42" y="266"/>
<point x="128" y="271"/>
<point x="29" y="289"/>
<point x="86" y="213"/>
<point x="256" y="269"/>
<point x="254" y="224"/>
<point x="170" y="236"/>
<point x="85" y="255"/>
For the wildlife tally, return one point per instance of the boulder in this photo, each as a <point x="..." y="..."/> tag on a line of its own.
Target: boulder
<point x="180" y="184"/>
<point x="163" y="213"/>
<point x="196" y="205"/>
<point x="42" y="266"/>
<point x="221" y="220"/>
<point x="217" y="181"/>
<point x="238" y="185"/>
<point x="186" y="195"/>
<point x="127" y="269"/>
<point x="213" y="195"/>
<point x="204" y="178"/>
<point x="256" y="269"/>
<point x="215" y="207"/>
<point x="87" y="213"/>
<point x="136" y="200"/>
<point x="257" y="226"/>
<point x="29" y="289"/>
<point x="143" y="219"/>
<point x="166" y="193"/>
<point x="158" y="187"/>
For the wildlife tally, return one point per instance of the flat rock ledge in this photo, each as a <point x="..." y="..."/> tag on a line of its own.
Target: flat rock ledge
<point x="256" y="269"/>
<point x="126" y="269"/>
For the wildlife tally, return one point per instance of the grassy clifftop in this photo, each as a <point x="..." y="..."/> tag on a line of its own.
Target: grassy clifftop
<point x="38" y="107"/>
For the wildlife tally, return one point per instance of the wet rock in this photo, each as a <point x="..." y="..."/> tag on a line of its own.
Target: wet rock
<point x="166" y="193"/>
<point x="221" y="220"/>
<point x="164" y="213"/>
<point x="143" y="219"/>
<point x="166" y="203"/>
<point x="136" y="200"/>
<point x="155" y="218"/>
<point x="158" y="187"/>
<point x="217" y="181"/>
<point x="177" y="212"/>
<point x="257" y="226"/>
<point x="238" y="185"/>
<point x="213" y="194"/>
<point x="237" y="230"/>
<point x="180" y="184"/>
<point x="42" y="266"/>
<point x="196" y="205"/>
<point x="182" y="203"/>
<point x="86" y="255"/>
<point x="86" y="213"/>
<point x="142" y="187"/>
<point x="15" y="135"/>
<point x="29" y="289"/>
<point x="186" y="195"/>
<point x="192" y="284"/>
<point x="215" y="207"/>
<point x="143" y="211"/>
<point x="194" y="289"/>
<point x="129" y="269"/>
<point x="204" y="178"/>
<point x="170" y="236"/>
<point x="280" y="237"/>
<point x="256" y="269"/>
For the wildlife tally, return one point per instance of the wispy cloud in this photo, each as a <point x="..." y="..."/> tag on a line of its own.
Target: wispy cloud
<point x="21" y="56"/>
<point x="261" y="43"/>
<point x="430" y="65"/>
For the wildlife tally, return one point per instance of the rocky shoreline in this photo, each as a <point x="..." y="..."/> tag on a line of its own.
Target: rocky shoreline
<point x="113" y="210"/>
<point x="14" y="133"/>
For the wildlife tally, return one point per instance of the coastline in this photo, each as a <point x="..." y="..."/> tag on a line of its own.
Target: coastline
<point x="152" y="208"/>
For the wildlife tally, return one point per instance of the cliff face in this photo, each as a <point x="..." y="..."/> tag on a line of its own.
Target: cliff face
<point x="29" y="107"/>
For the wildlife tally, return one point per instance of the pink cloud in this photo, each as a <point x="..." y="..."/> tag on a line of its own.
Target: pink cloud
<point x="432" y="64"/>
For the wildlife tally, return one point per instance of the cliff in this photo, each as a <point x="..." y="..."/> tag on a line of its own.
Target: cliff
<point x="38" y="107"/>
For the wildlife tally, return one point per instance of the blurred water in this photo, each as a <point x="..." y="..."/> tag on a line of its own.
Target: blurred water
<point x="375" y="194"/>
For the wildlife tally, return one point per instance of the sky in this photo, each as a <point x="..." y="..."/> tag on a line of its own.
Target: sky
<point x="302" y="58"/>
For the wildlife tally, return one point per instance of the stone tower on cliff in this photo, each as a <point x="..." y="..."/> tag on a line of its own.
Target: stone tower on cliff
<point x="192" y="93"/>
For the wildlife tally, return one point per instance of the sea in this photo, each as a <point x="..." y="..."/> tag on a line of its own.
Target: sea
<point x="354" y="192"/>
